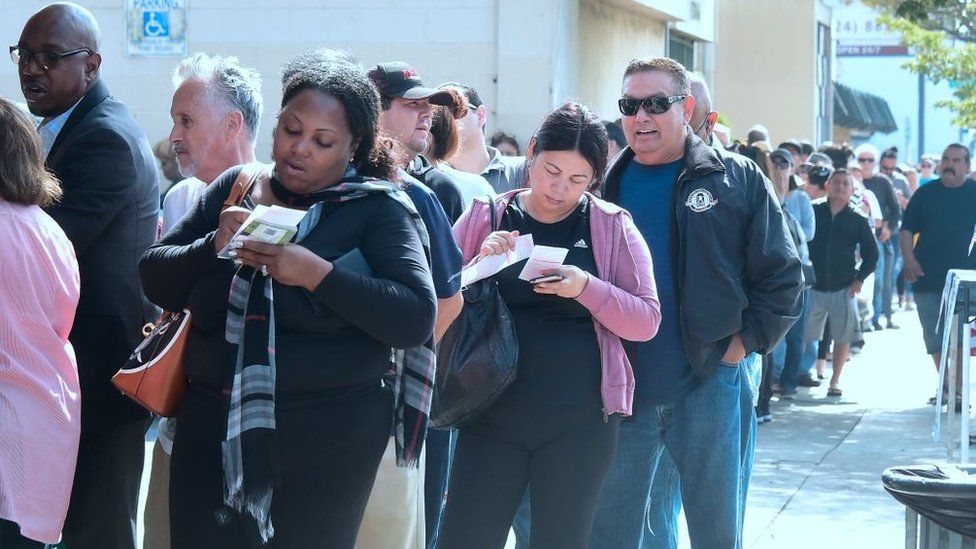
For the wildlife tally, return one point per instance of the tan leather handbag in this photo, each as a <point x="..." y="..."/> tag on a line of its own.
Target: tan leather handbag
<point x="153" y="376"/>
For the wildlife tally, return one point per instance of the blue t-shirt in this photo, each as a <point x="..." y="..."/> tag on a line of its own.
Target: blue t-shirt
<point x="661" y="367"/>
<point x="445" y="256"/>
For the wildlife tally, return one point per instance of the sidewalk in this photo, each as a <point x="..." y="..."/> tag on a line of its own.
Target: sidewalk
<point x="817" y="475"/>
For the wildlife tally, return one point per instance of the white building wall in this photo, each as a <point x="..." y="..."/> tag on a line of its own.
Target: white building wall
<point x="444" y="39"/>
<point x="610" y="35"/>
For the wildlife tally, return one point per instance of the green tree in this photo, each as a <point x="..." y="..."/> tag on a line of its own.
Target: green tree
<point x="942" y="33"/>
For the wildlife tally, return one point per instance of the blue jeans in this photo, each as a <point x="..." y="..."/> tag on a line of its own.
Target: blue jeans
<point x="883" y="281"/>
<point x="440" y="454"/>
<point x="710" y="436"/>
<point x="793" y="344"/>
<point x="779" y="358"/>
<point x="662" y="520"/>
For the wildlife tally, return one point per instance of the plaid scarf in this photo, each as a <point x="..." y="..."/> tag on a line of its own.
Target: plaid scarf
<point x="248" y="448"/>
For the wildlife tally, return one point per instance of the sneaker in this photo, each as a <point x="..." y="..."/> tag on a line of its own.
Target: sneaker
<point x="835" y="392"/>
<point x="763" y="414"/>
<point x="807" y="381"/>
<point x="876" y="326"/>
<point x="891" y="325"/>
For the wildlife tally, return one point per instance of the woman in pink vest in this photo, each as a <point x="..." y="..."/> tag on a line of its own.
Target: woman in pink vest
<point x="39" y="392"/>
<point x="554" y="430"/>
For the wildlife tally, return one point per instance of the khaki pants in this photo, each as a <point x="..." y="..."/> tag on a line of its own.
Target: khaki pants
<point x="157" y="501"/>
<point x="394" y="517"/>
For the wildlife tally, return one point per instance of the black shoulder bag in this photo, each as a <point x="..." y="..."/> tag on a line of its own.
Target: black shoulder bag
<point x="478" y="355"/>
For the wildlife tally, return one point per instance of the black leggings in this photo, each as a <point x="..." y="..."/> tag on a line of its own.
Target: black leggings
<point x="328" y="448"/>
<point x="10" y="537"/>
<point x="562" y="455"/>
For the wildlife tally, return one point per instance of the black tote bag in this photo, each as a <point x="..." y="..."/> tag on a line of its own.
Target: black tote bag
<point x="478" y="356"/>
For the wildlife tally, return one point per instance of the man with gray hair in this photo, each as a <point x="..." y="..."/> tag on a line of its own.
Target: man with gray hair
<point x="216" y="113"/>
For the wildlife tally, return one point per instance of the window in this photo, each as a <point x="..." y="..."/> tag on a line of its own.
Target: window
<point x="682" y="50"/>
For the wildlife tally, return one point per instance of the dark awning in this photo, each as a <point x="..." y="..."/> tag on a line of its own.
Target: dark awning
<point x="862" y="111"/>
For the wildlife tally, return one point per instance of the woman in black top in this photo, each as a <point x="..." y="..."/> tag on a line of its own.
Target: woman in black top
<point x="287" y="415"/>
<point x="554" y="430"/>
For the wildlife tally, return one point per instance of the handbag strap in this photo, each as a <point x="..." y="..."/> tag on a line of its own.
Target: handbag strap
<point x="248" y="175"/>
<point x="493" y="209"/>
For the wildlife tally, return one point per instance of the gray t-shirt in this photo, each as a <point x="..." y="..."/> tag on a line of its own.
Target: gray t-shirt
<point x="505" y="173"/>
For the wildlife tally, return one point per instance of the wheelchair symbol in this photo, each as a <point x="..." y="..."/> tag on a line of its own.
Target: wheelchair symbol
<point x="153" y="27"/>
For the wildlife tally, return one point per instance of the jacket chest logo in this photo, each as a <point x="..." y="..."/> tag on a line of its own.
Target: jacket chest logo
<point x="700" y="200"/>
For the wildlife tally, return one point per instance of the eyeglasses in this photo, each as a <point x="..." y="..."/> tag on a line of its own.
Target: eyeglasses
<point x="47" y="60"/>
<point x="657" y="104"/>
<point x="865" y="161"/>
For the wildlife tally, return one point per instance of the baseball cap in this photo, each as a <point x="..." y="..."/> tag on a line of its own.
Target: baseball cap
<point x="398" y="79"/>
<point x="820" y="174"/>
<point x="815" y="159"/>
<point x="782" y="154"/>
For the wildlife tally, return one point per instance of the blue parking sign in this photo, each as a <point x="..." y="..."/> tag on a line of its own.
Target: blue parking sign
<point x="155" y="23"/>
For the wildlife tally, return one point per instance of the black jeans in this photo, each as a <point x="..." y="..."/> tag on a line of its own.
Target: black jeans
<point x="563" y="457"/>
<point x="105" y="494"/>
<point x="10" y="537"/>
<point x="328" y="450"/>
<point x="765" y="385"/>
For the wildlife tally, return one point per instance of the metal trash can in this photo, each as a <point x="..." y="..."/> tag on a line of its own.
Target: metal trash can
<point x="941" y="502"/>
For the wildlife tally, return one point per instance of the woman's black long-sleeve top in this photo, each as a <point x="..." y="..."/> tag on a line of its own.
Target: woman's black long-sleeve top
<point x="341" y="334"/>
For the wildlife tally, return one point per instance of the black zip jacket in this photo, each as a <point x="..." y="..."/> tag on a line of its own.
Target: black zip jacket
<point x="833" y="248"/>
<point x="738" y="271"/>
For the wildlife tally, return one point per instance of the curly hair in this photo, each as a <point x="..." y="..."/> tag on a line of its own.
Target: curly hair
<point x="23" y="177"/>
<point x="344" y="80"/>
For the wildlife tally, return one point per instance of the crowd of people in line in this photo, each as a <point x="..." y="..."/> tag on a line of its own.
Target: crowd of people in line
<point x="696" y="273"/>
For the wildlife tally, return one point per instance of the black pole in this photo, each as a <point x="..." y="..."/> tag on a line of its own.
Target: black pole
<point x="921" y="117"/>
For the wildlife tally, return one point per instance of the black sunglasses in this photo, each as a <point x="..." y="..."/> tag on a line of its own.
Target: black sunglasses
<point x="657" y="104"/>
<point x="47" y="60"/>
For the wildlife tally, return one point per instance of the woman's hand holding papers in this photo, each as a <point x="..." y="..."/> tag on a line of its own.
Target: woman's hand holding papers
<point x="231" y="220"/>
<point x="291" y="264"/>
<point x="498" y="243"/>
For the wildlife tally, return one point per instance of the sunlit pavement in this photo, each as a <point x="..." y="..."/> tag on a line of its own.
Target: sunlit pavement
<point x="817" y="475"/>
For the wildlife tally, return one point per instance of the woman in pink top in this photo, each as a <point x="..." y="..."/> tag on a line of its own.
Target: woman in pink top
<point x="554" y="430"/>
<point x="39" y="392"/>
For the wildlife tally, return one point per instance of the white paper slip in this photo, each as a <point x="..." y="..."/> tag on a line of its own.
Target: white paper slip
<point x="542" y="259"/>
<point x="271" y="225"/>
<point x="495" y="263"/>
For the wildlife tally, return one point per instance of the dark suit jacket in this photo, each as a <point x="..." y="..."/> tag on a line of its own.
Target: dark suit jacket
<point x="109" y="212"/>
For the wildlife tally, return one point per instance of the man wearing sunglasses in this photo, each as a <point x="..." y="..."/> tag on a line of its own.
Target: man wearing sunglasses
<point x="729" y="280"/>
<point x="109" y="211"/>
<point x="867" y="156"/>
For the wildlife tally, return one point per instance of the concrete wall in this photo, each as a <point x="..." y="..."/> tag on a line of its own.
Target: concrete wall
<point x="537" y="63"/>
<point x="445" y="39"/>
<point x="610" y="35"/>
<point x="766" y="72"/>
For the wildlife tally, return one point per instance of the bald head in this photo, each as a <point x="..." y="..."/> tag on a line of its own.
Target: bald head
<point x="59" y="58"/>
<point x="703" y="117"/>
<point x="70" y="22"/>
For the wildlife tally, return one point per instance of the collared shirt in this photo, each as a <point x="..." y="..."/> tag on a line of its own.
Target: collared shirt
<point x="504" y="173"/>
<point x="51" y="127"/>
